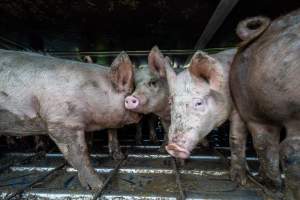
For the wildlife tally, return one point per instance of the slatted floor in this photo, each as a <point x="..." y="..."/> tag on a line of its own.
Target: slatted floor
<point x="145" y="174"/>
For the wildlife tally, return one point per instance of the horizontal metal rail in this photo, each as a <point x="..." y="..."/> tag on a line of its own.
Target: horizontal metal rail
<point x="275" y="196"/>
<point x="34" y="156"/>
<point x="42" y="178"/>
<point x="111" y="175"/>
<point x="130" y="53"/>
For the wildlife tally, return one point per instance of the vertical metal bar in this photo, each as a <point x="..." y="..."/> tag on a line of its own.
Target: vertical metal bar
<point x="178" y="182"/>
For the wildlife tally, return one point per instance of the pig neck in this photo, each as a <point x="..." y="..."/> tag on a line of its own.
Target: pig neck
<point x="225" y="58"/>
<point x="164" y="112"/>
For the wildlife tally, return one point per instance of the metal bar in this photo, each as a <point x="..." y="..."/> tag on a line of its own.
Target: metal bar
<point x="14" y="43"/>
<point x="217" y="19"/>
<point x="178" y="182"/>
<point x="221" y="12"/>
<point x="113" y="172"/>
<point x="39" y="154"/>
<point x="138" y="52"/>
<point x="277" y="196"/>
<point x="20" y="191"/>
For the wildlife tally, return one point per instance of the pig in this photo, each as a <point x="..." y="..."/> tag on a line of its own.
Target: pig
<point x="195" y="101"/>
<point x="64" y="99"/>
<point x="114" y="148"/>
<point x="151" y="94"/>
<point x="264" y="81"/>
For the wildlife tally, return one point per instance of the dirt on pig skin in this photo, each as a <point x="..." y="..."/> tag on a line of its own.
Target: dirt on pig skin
<point x="264" y="82"/>
<point x="199" y="100"/>
<point x="151" y="94"/>
<point x="64" y="99"/>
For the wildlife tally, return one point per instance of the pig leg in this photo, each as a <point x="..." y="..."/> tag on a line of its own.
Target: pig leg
<point x="166" y="126"/>
<point x="238" y="139"/>
<point x="90" y="139"/>
<point x="113" y="145"/>
<point x="290" y="160"/>
<point x="138" y="134"/>
<point x="152" y="133"/>
<point x="71" y="142"/>
<point x="41" y="143"/>
<point x="266" y="143"/>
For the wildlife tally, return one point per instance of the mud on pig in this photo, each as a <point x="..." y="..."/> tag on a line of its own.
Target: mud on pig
<point x="151" y="94"/>
<point x="264" y="81"/>
<point x="63" y="98"/>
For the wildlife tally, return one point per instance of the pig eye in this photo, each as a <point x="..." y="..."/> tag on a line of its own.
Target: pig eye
<point x="198" y="104"/>
<point x="152" y="83"/>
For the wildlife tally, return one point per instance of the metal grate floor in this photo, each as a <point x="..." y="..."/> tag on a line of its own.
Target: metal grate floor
<point x="145" y="174"/>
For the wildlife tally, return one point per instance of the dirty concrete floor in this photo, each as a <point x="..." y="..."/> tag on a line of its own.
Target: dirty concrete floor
<point x="145" y="174"/>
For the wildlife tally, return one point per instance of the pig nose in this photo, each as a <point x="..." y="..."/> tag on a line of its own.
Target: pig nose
<point x="131" y="102"/>
<point x="177" y="151"/>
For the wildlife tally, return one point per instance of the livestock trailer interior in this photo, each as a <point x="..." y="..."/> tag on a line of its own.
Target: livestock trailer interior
<point x="32" y="167"/>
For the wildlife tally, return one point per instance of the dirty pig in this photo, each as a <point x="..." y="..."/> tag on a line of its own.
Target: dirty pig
<point x="64" y="99"/>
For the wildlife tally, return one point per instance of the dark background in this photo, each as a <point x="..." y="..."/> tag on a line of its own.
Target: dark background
<point x="91" y="25"/>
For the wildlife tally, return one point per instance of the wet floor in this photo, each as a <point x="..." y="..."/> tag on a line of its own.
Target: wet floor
<point x="145" y="174"/>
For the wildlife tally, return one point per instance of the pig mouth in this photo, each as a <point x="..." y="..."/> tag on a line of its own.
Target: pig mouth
<point x="177" y="151"/>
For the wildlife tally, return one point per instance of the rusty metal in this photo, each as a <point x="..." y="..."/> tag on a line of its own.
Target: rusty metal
<point x="112" y="173"/>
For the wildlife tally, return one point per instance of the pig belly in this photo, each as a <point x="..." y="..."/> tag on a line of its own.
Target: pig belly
<point x="13" y="125"/>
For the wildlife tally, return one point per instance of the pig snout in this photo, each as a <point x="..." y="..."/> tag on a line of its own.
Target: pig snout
<point x="131" y="102"/>
<point x="177" y="151"/>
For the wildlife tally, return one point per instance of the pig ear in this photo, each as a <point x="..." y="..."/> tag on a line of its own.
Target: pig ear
<point x="170" y="74"/>
<point x="121" y="73"/>
<point x="156" y="62"/>
<point x="208" y="68"/>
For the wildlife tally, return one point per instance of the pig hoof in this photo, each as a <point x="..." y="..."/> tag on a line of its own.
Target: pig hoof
<point x="118" y="155"/>
<point x="238" y="175"/>
<point x="272" y="184"/>
<point x="92" y="182"/>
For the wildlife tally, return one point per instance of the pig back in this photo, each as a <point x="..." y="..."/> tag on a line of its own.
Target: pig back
<point x="58" y="90"/>
<point x="264" y="77"/>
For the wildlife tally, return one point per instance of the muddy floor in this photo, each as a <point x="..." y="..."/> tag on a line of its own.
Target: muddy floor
<point x="145" y="174"/>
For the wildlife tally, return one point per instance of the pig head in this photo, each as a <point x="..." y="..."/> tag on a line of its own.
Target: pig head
<point x="151" y="91"/>
<point x="199" y="98"/>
